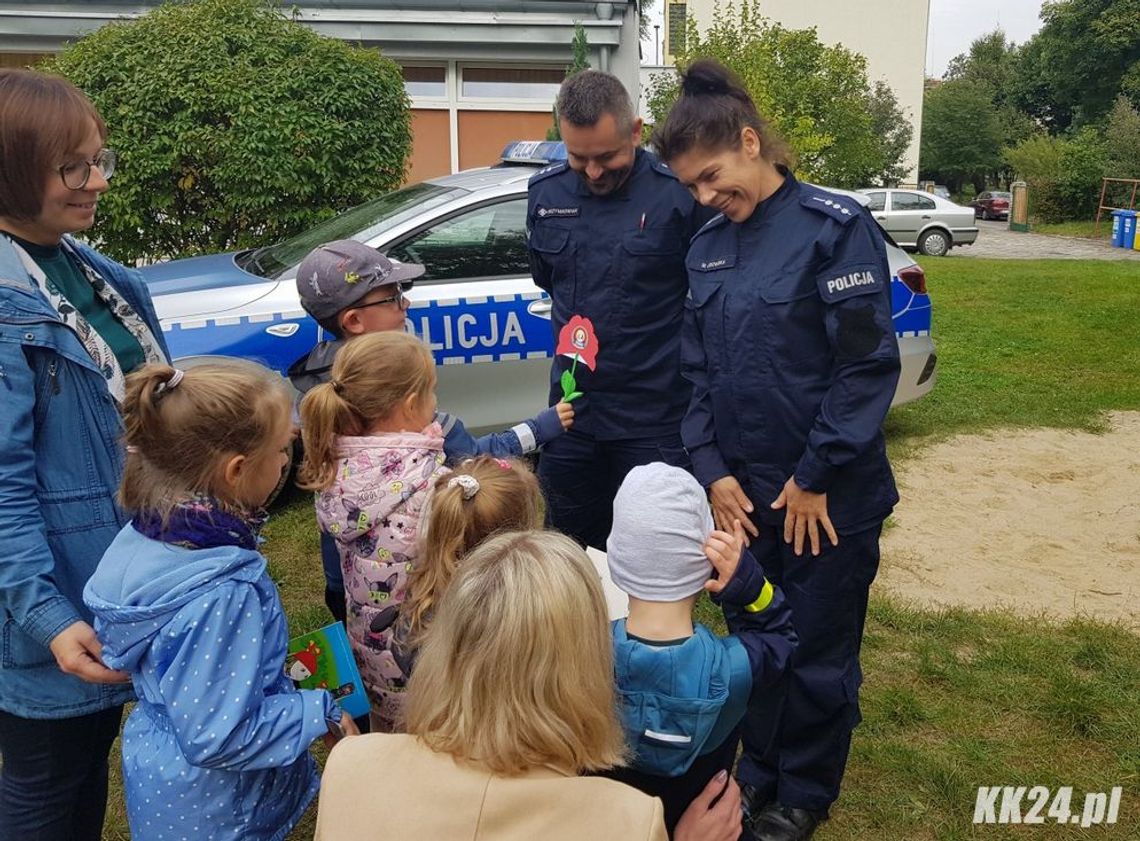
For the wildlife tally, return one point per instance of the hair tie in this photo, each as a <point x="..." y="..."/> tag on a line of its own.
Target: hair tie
<point x="503" y="463"/>
<point x="132" y="449"/>
<point x="337" y="386"/>
<point x="467" y="482"/>
<point x="171" y="383"/>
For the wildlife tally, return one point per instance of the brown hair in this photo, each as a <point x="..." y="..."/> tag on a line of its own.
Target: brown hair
<point x="508" y="499"/>
<point x="43" y="119"/>
<point x="517" y="669"/>
<point x="178" y="436"/>
<point x="713" y="108"/>
<point x="371" y="375"/>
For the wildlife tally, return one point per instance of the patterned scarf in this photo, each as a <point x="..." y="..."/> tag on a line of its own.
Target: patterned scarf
<point x="96" y="347"/>
<point x="203" y="522"/>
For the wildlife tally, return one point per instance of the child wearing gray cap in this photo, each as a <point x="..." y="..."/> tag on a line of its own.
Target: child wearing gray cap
<point x="351" y="289"/>
<point x="684" y="691"/>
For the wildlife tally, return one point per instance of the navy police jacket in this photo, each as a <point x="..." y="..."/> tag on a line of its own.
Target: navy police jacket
<point x="618" y="260"/>
<point x="791" y="352"/>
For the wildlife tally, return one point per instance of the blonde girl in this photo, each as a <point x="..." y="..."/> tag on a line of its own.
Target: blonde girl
<point x="483" y="496"/>
<point x="218" y="742"/>
<point x="372" y="452"/>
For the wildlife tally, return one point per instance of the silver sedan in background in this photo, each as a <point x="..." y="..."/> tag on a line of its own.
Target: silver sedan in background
<point x="925" y="222"/>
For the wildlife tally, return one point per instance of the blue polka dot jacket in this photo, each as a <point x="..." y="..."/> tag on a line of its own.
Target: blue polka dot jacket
<point x="218" y="744"/>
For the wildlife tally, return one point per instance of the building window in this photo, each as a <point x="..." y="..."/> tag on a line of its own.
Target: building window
<point x="425" y="82"/>
<point x="675" y="34"/>
<point x="505" y="83"/>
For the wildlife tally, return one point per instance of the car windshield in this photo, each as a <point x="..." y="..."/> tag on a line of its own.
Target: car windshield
<point x="363" y="222"/>
<point x="999" y="195"/>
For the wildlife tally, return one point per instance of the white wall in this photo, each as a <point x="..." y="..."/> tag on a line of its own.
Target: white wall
<point x="891" y="34"/>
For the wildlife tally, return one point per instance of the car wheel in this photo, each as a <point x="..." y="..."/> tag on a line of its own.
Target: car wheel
<point x="934" y="243"/>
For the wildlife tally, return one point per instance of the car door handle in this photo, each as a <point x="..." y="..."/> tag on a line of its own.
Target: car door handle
<point x="541" y="307"/>
<point x="925" y="217"/>
<point x="881" y="218"/>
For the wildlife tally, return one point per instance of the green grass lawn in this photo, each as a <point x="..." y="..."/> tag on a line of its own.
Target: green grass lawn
<point x="953" y="700"/>
<point x="1086" y="229"/>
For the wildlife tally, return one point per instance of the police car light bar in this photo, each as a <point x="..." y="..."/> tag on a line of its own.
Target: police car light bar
<point x="533" y="152"/>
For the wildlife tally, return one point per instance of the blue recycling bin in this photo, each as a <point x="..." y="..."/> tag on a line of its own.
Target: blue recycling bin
<point x="1117" y="229"/>
<point x="1127" y="228"/>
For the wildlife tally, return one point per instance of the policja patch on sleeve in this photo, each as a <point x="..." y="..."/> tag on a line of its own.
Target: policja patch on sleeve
<point x="850" y="281"/>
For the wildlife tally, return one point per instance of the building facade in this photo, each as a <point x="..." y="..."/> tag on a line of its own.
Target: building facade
<point x="891" y="34"/>
<point x="480" y="73"/>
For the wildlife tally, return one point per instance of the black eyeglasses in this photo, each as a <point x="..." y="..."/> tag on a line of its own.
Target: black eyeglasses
<point x="399" y="298"/>
<point x="76" y="174"/>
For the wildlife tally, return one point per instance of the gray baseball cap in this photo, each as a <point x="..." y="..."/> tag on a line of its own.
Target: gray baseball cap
<point x="336" y="275"/>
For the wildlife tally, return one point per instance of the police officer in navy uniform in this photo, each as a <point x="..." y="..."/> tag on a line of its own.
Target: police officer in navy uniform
<point x="608" y="231"/>
<point x="791" y="352"/>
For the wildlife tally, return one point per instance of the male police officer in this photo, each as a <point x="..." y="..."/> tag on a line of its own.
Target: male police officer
<point x="608" y="234"/>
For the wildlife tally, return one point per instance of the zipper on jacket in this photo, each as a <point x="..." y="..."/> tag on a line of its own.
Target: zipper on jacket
<point x="53" y="371"/>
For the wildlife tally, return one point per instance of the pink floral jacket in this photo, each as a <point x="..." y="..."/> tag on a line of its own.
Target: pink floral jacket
<point x="373" y="511"/>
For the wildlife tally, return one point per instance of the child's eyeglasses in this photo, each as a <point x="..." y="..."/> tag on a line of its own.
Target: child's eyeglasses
<point x="76" y="174"/>
<point x="398" y="299"/>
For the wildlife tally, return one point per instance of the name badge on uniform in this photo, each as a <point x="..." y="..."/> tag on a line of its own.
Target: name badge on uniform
<point x="712" y="264"/>
<point x="861" y="280"/>
<point x="556" y="212"/>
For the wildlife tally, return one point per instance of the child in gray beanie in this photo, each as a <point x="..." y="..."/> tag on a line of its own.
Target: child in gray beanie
<point x="684" y="691"/>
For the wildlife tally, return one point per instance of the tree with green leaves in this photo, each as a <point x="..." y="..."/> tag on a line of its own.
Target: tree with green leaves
<point x="991" y="62"/>
<point x="816" y="96"/>
<point x="1122" y="140"/>
<point x="1086" y="53"/>
<point x="580" y="60"/>
<point x="961" y="136"/>
<point x="235" y="125"/>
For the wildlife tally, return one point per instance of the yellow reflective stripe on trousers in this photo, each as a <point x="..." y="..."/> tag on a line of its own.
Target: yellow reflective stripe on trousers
<point x="765" y="599"/>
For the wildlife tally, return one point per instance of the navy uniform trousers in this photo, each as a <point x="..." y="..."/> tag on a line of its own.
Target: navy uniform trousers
<point x="798" y="734"/>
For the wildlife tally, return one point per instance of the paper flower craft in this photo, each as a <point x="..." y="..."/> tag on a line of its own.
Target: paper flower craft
<point x="577" y="340"/>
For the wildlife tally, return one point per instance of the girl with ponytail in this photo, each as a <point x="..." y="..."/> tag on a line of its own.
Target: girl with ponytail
<point x="790" y="347"/>
<point x="184" y="604"/>
<point x="483" y="496"/>
<point x="372" y="452"/>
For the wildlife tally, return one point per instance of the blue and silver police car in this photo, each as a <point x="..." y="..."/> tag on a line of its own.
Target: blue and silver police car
<point x="476" y="305"/>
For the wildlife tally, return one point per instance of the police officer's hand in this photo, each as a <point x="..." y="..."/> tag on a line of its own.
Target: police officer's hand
<point x="78" y="652"/>
<point x="730" y="503"/>
<point x="806" y="512"/>
<point x="723" y="550"/>
<point x="565" y="414"/>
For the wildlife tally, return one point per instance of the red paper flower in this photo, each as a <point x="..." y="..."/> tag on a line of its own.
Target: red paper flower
<point x="577" y="340"/>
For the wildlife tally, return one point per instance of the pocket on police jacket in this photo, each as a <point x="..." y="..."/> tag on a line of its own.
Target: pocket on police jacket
<point x="554" y="247"/>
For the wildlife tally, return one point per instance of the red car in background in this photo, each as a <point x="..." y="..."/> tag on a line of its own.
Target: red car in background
<point x="991" y="205"/>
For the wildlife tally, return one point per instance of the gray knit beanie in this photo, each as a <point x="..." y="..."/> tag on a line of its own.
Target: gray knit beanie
<point x="656" y="550"/>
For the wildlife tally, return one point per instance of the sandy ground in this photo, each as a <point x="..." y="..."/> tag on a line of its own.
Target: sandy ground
<point x="1035" y="521"/>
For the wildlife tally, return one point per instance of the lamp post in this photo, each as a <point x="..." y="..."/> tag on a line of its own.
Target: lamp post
<point x="656" y="43"/>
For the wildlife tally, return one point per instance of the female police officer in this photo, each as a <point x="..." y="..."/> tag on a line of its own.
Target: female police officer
<point x="789" y="346"/>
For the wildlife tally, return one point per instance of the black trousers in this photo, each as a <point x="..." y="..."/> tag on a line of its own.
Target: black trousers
<point x="53" y="780"/>
<point x="797" y="736"/>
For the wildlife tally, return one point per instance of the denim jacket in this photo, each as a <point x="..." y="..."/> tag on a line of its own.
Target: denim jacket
<point x="60" y="434"/>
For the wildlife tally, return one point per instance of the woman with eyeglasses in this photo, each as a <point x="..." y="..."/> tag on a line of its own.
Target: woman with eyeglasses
<point x="73" y="323"/>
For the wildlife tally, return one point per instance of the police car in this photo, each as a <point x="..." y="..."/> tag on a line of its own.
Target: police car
<point x="476" y="305"/>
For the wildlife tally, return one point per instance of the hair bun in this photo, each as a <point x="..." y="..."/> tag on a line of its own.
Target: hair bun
<point x="706" y="78"/>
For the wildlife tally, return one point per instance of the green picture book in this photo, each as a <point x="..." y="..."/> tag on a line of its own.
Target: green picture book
<point x="323" y="659"/>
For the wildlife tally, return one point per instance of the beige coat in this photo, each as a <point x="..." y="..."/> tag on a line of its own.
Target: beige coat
<point x="381" y="787"/>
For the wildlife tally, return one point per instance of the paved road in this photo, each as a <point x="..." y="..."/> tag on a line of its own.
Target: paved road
<point x="995" y="239"/>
